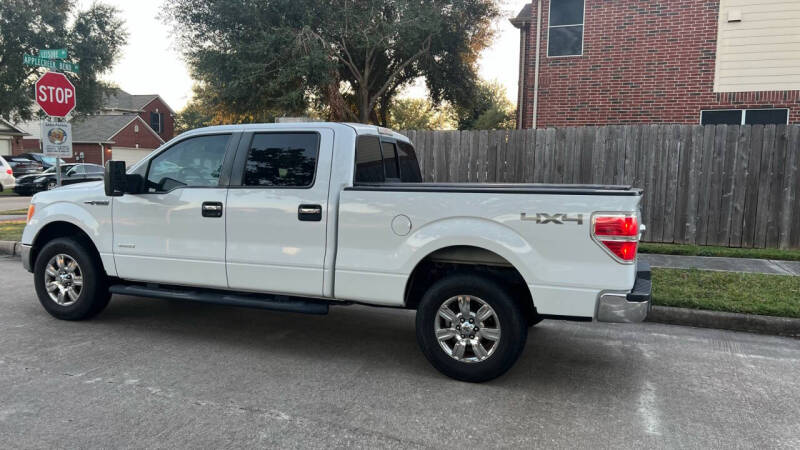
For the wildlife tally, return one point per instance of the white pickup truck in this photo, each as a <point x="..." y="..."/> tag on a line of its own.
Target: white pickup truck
<point x="298" y="217"/>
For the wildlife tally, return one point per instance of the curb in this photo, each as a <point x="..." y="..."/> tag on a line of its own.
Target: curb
<point x="10" y="248"/>
<point x="779" y="326"/>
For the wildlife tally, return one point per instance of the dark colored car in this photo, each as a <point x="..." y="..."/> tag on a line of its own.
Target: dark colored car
<point x="70" y="174"/>
<point x="46" y="161"/>
<point x="23" y="166"/>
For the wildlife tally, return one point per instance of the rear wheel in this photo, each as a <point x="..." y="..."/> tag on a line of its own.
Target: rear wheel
<point x="470" y="328"/>
<point x="69" y="280"/>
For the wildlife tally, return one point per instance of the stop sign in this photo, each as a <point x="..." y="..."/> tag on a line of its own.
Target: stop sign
<point x="55" y="94"/>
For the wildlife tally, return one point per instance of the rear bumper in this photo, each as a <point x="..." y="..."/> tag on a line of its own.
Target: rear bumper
<point x="627" y="307"/>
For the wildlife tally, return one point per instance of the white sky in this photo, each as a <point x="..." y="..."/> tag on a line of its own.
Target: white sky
<point x="151" y="64"/>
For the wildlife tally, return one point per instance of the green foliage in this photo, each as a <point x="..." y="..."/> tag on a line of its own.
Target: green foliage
<point x="420" y="114"/>
<point x="344" y="57"/>
<point x="490" y="110"/>
<point x="728" y="252"/>
<point x="93" y="39"/>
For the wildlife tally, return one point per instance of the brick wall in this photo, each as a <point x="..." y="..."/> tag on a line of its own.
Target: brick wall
<point x="129" y="137"/>
<point x="168" y="125"/>
<point x="644" y="61"/>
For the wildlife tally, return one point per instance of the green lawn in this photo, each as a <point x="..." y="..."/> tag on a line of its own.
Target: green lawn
<point x="752" y="293"/>
<point x="702" y="250"/>
<point x="7" y="192"/>
<point x="14" y="212"/>
<point x="11" y="231"/>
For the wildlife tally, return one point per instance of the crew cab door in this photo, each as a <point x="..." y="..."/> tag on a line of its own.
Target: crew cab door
<point x="277" y="212"/>
<point x="174" y="232"/>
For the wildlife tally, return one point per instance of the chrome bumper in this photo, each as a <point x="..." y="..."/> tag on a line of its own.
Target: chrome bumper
<point x="25" y="254"/>
<point x="627" y="307"/>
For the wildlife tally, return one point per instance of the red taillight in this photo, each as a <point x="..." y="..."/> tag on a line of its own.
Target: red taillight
<point x="9" y="171"/>
<point x="617" y="233"/>
<point x="616" y="226"/>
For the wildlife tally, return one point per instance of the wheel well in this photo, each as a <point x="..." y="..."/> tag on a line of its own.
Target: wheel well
<point x="56" y="230"/>
<point x="461" y="259"/>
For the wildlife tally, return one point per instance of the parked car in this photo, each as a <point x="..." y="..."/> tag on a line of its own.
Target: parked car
<point x="46" y="161"/>
<point x="70" y="174"/>
<point x="7" y="180"/>
<point x="300" y="217"/>
<point x="23" y="166"/>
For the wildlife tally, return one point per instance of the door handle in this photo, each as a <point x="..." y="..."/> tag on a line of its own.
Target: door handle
<point x="212" y="209"/>
<point x="309" y="213"/>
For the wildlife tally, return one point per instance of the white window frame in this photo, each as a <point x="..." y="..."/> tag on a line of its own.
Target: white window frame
<point x="744" y="113"/>
<point x="549" y="26"/>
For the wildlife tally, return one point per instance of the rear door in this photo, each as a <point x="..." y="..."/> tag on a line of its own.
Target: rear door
<point x="277" y="212"/>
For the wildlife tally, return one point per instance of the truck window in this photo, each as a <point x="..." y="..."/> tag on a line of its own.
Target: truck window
<point x="390" y="160"/>
<point x="409" y="166"/>
<point x="282" y="160"/>
<point x="369" y="163"/>
<point x="195" y="162"/>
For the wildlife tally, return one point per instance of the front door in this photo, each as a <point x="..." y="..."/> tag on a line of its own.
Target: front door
<point x="174" y="232"/>
<point x="278" y="212"/>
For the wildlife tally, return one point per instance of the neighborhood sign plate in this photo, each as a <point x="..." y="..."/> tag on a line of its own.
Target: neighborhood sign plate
<point x="53" y="53"/>
<point x="57" y="139"/>
<point x="52" y="64"/>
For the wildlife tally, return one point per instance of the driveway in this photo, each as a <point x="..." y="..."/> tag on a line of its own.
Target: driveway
<point x="153" y="373"/>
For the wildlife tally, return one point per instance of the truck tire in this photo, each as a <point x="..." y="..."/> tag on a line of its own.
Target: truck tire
<point x="69" y="280"/>
<point x="470" y="328"/>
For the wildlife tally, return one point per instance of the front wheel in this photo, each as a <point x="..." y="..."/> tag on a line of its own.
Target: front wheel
<point x="69" y="280"/>
<point x="470" y="328"/>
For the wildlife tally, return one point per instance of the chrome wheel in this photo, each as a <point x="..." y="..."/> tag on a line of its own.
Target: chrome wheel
<point x="467" y="328"/>
<point x="63" y="279"/>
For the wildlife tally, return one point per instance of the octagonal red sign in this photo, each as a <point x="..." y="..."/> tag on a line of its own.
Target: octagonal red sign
<point x="55" y="94"/>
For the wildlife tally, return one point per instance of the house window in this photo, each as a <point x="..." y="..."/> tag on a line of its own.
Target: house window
<point x="565" y="28"/>
<point x="155" y="121"/>
<point x="773" y="116"/>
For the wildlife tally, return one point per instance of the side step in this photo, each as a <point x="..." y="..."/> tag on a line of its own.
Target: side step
<point x="270" y="302"/>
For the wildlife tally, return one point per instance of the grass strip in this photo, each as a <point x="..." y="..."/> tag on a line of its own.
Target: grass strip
<point x="14" y="212"/>
<point x="11" y="231"/>
<point x="750" y="293"/>
<point x="703" y="250"/>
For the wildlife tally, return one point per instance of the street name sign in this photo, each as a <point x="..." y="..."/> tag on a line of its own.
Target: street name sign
<point x="52" y="64"/>
<point x="53" y="53"/>
<point x="55" y="94"/>
<point x="57" y="139"/>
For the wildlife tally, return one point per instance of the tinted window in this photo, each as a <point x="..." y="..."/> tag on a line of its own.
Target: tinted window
<point x="409" y="166"/>
<point x="194" y="162"/>
<point x="369" y="164"/>
<point x="390" y="160"/>
<point x="77" y="170"/>
<point x="94" y="169"/>
<point x="722" y="117"/>
<point x="766" y="117"/>
<point x="282" y="160"/>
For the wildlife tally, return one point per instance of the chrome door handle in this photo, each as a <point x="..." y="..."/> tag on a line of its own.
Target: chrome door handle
<point x="212" y="209"/>
<point x="309" y="213"/>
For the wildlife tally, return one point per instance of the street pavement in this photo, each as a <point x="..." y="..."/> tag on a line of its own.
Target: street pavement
<point x="13" y="201"/>
<point x="160" y="374"/>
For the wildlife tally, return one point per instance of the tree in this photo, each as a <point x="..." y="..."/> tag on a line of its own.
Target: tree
<point x="93" y="39"/>
<point x="490" y="110"/>
<point x="347" y="57"/>
<point x="420" y="114"/>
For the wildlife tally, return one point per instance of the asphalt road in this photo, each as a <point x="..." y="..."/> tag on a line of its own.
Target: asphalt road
<point x="13" y="201"/>
<point x="153" y="373"/>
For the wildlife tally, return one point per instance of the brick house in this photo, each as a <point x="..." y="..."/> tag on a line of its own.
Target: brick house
<point x="10" y="138"/>
<point x="126" y="128"/>
<point x="611" y="62"/>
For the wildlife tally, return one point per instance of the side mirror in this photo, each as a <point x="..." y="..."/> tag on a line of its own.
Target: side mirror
<point x="115" y="178"/>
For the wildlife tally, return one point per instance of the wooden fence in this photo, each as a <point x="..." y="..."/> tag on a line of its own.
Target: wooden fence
<point x="724" y="185"/>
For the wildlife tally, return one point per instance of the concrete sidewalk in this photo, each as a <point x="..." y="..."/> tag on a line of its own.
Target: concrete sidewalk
<point x="767" y="266"/>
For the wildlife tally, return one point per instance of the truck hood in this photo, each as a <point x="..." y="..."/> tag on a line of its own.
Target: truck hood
<point x="72" y="193"/>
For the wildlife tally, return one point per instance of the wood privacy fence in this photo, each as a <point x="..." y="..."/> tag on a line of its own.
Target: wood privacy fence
<point x="725" y="185"/>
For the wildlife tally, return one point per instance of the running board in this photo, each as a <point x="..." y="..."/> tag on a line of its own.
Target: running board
<point x="270" y="302"/>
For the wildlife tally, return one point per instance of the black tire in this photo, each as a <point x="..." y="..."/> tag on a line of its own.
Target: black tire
<point x="93" y="296"/>
<point x="512" y="321"/>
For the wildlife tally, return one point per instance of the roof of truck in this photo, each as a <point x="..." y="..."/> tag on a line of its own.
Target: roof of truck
<point x="359" y="128"/>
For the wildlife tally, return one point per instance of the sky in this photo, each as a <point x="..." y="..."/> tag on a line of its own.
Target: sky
<point x="151" y="62"/>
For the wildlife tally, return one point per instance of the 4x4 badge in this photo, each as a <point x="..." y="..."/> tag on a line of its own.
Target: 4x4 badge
<point x="557" y="218"/>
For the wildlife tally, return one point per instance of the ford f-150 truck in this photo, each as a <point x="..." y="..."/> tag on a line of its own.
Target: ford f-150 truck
<point x="299" y="217"/>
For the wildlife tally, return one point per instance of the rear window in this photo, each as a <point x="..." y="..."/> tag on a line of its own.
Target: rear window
<point x="369" y="163"/>
<point x="409" y="166"/>
<point x="390" y="160"/>
<point x="378" y="162"/>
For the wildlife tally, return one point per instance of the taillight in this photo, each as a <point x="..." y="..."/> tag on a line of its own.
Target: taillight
<point x="618" y="234"/>
<point x="9" y="171"/>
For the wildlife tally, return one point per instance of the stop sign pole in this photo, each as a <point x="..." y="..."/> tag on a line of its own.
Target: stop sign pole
<point x="55" y="94"/>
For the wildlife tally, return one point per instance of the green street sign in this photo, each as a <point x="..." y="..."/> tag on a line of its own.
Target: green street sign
<point x="52" y="64"/>
<point x="53" y="53"/>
